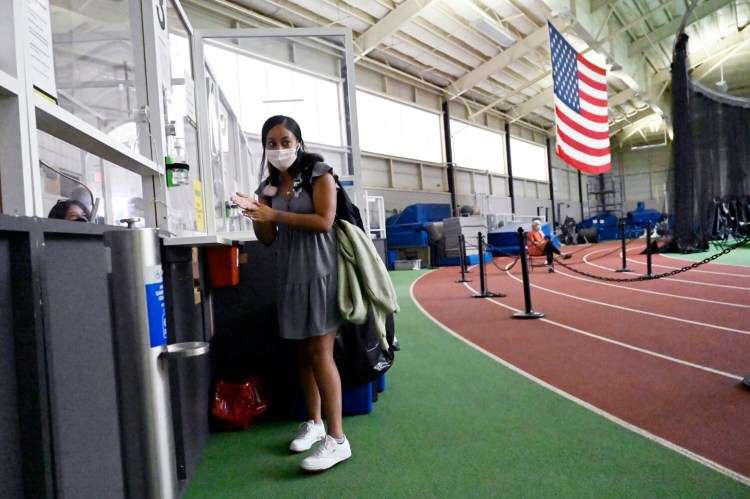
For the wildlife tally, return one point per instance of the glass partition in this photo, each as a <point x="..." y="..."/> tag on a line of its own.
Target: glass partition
<point x="254" y="74"/>
<point x="184" y="194"/>
<point x="99" y="66"/>
<point x="68" y="172"/>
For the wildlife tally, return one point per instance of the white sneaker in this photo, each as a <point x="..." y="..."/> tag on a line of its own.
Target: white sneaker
<point x="327" y="454"/>
<point x="307" y="435"/>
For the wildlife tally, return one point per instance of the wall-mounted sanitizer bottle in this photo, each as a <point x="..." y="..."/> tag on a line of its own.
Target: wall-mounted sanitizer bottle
<point x="178" y="169"/>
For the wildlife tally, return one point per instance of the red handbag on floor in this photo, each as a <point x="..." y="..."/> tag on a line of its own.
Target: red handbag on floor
<point x="236" y="404"/>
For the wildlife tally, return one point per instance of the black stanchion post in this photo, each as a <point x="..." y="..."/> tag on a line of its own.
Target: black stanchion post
<point x="462" y="257"/>
<point x="528" y="314"/>
<point x="462" y="249"/>
<point x="483" y="288"/>
<point x="482" y="278"/>
<point x="624" y="260"/>
<point x="648" y="249"/>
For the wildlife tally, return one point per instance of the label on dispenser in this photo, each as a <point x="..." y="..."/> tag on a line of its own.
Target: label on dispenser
<point x="157" y="316"/>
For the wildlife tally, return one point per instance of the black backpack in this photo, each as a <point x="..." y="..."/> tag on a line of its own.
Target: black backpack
<point x="358" y="355"/>
<point x="345" y="209"/>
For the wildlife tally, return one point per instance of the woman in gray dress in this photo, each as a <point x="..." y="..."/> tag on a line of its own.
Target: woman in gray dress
<point x="302" y="227"/>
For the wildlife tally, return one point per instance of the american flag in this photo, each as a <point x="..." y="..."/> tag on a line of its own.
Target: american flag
<point x="580" y="108"/>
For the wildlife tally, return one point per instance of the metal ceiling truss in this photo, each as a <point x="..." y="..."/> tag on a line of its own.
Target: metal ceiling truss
<point x="437" y="44"/>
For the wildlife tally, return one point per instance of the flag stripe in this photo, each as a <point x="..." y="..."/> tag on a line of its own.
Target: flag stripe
<point x="580" y="146"/>
<point x="584" y="167"/>
<point x="595" y="161"/>
<point x="597" y="94"/>
<point x="573" y="120"/>
<point x="585" y="137"/>
<point x="580" y="88"/>
<point x="593" y="85"/>
<point x="594" y="101"/>
<point x="591" y="75"/>
<point x="597" y="117"/>
<point x="590" y="65"/>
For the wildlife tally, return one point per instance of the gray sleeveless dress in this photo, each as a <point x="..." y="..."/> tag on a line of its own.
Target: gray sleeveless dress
<point x="307" y="270"/>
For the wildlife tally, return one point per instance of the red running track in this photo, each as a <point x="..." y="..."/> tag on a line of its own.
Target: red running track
<point x="666" y="356"/>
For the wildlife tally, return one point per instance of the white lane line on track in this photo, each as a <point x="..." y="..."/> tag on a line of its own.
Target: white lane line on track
<point x="667" y="256"/>
<point x="741" y="288"/>
<point x="648" y="291"/>
<point x="621" y="344"/>
<point x="611" y="417"/>
<point x="636" y="311"/>
<point x="687" y="263"/>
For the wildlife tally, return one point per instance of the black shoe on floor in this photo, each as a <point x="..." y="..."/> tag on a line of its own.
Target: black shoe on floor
<point x="567" y="256"/>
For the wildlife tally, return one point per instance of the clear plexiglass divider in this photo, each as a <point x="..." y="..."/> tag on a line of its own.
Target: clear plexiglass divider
<point x="135" y="93"/>
<point x="248" y="75"/>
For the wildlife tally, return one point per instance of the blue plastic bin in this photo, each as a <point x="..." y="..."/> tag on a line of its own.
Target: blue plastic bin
<point x="355" y="401"/>
<point x="379" y="383"/>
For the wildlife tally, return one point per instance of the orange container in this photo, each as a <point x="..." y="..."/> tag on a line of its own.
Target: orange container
<point x="223" y="265"/>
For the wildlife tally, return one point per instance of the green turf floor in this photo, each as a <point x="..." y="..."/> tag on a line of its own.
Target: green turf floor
<point x="737" y="256"/>
<point x="455" y="423"/>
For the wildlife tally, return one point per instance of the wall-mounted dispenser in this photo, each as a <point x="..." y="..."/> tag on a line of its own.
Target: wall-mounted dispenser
<point x="178" y="169"/>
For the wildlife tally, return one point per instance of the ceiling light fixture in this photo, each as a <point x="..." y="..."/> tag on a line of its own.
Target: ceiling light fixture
<point x="654" y="125"/>
<point x="495" y="31"/>
<point x="722" y="84"/>
<point x="564" y="13"/>
<point x="282" y="101"/>
<point x="648" y="146"/>
<point x="651" y="146"/>
<point x="489" y="26"/>
<point x="613" y="66"/>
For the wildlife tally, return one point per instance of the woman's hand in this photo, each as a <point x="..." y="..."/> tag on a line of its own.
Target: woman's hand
<point x="243" y="201"/>
<point x="260" y="213"/>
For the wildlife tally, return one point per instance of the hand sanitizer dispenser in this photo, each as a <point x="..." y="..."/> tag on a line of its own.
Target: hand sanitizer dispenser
<point x="178" y="170"/>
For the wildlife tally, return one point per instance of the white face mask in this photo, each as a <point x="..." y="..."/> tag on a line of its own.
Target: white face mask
<point x="282" y="159"/>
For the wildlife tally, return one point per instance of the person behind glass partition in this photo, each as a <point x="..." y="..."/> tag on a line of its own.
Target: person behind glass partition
<point x="83" y="195"/>
<point x="70" y="209"/>
<point x="136" y="208"/>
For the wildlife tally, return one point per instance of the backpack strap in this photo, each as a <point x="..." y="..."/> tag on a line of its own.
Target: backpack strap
<point x="306" y="178"/>
<point x="345" y="209"/>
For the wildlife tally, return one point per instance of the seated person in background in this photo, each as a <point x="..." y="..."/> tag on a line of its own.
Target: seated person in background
<point x="70" y="209"/>
<point x="82" y="194"/>
<point x="537" y="244"/>
<point x="137" y="208"/>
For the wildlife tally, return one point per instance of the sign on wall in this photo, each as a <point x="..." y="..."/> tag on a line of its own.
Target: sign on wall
<point x="39" y="45"/>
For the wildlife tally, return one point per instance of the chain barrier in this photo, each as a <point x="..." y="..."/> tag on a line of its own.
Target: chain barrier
<point x="491" y="248"/>
<point x="570" y="267"/>
<point x="516" y="258"/>
<point x="657" y="276"/>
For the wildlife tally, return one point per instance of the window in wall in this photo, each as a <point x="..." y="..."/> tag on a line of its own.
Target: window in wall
<point x="395" y="129"/>
<point x="477" y="148"/>
<point x="529" y="160"/>
<point x="268" y="89"/>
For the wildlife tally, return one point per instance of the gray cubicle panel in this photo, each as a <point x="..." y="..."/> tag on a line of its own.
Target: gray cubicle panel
<point x="59" y="428"/>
